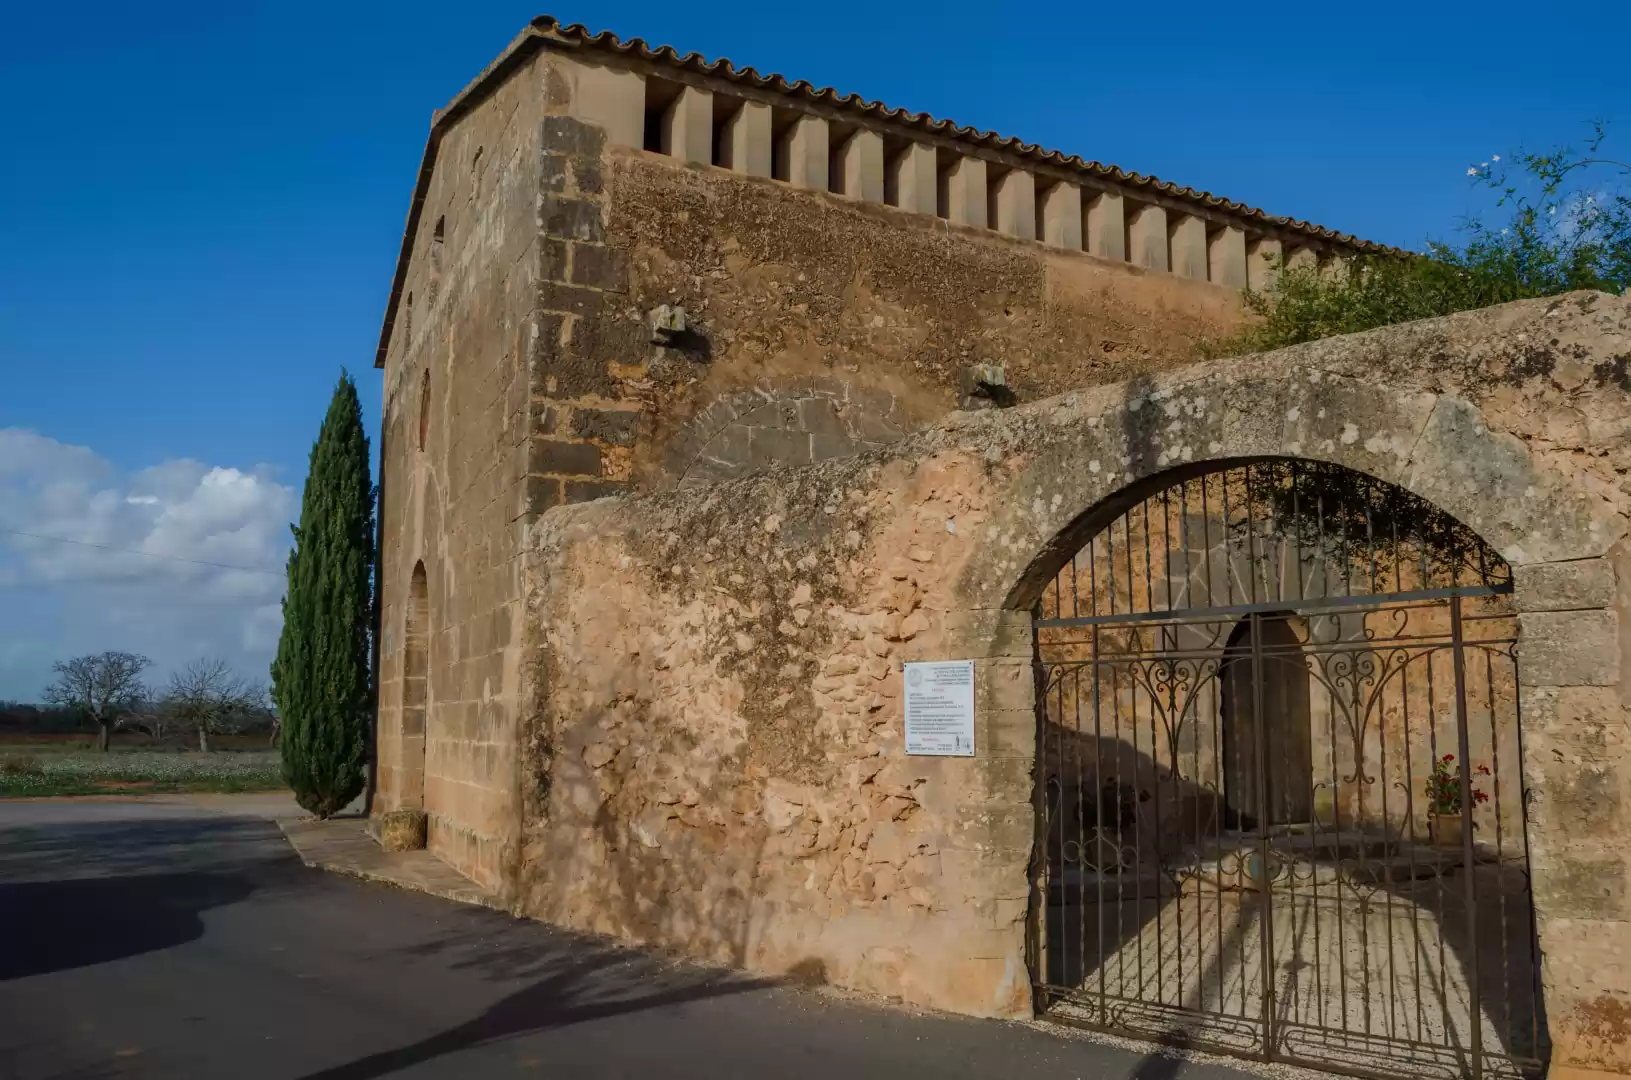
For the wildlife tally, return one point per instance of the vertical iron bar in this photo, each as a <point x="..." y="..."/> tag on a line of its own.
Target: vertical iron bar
<point x="1297" y="533"/>
<point x="1080" y="893"/>
<point x="1137" y="635"/>
<point x="1319" y="541"/>
<point x="1476" y="1036"/>
<point x="1438" y="873"/>
<point x="1098" y="795"/>
<point x="1056" y="769"/>
<point x="1321" y="555"/>
<point x="1149" y="561"/>
<point x="1219" y="801"/>
<point x="1219" y="808"/>
<point x="1173" y="723"/>
<point x="1500" y="852"/>
<point x="1040" y="876"/>
<point x="1265" y="935"/>
<point x="1199" y="952"/>
<point x="1206" y="545"/>
<point x="1336" y="827"/>
<point x="1132" y="581"/>
<point x="1155" y="782"/>
<point x="1075" y="600"/>
<point x="1110" y="562"/>
<point x="1121" y="897"/>
<point x="1387" y="872"/>
<point x="1251" y="544"/>
<point x="1361" y="713"/>
<point x="1228" y="549"/>
<point x="1410" y="844"/>
<point x="1528" y="878"/>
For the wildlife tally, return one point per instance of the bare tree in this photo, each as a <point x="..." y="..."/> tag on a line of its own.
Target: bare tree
<point x="106" y="687"/>
<point x="153" y="714"/>
<point x="206" y="696"/>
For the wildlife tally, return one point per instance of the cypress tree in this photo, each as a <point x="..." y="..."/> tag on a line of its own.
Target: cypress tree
<point x="321" y="677"/>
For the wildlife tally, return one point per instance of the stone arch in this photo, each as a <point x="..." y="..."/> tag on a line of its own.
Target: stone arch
<point x="416" y="634"/>
<point x="1084" y="457"/>
<point x="1063" y="468"/>
<point x="1175" y="624"/>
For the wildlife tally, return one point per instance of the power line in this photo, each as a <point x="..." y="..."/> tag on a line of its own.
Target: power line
<point x="146" y="554"/>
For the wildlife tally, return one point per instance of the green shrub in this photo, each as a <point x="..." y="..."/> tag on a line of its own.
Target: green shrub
<point x="1566" y="226"/>
<point x="20" y="767"/>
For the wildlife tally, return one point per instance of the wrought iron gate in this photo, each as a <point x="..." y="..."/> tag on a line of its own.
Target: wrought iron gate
<point x="1279" y="786"/>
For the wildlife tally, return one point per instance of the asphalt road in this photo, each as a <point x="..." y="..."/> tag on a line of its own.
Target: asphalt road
<point x="144" y="940"/>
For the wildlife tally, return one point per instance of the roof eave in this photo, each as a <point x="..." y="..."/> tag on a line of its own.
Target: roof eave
<point x="546" y="30"/>
<point x="515" y="54"/>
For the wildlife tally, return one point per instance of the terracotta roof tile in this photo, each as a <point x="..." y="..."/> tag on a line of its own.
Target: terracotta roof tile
<point x="545" y="29"/>
<point x="579" y="34"/>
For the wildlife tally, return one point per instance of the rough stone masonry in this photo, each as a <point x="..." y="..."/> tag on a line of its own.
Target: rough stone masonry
<point x="715" y="761"/>
<point x="648" y="582"/>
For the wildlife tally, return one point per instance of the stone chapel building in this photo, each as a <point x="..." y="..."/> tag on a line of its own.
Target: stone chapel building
<point x="713" y="399"/>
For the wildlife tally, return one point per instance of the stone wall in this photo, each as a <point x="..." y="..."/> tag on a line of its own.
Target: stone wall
<point x="716" y="764"/>
<point x="795" y="295"/>
<point x="520" y="344"/>
<point x="453" y="464"/>
<point x="868" y="318"/>
<point x="675" y="716"/>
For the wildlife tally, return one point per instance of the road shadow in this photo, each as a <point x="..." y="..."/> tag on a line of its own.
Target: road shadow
<point x="573" y="979"/>
<point x="57" y="925"/>
<point x="77" y="895"/>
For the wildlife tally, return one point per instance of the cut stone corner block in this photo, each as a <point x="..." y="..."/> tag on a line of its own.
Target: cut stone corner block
<point x="1061" y="223"/>
<point x="1147" y="237"/>
<point x="861" y="167"/>
<point x="687" y="131"/>
<point x="1015" y="200"/>
<point x="746" y="144"/>
<point x="1263" y="263"/>
<point x="1226" y="257"/>
<point x="805" y="150"/>
<point x="1187" y="249"/>
<point x="966" y="192"/>
<point x="610" y="97"/>
<point x="400" y="830"/>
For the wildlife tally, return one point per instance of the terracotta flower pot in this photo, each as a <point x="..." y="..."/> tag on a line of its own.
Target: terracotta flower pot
<point x="1446" y="830"/>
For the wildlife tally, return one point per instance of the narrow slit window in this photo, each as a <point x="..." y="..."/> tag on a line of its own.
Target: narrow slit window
<point x="424" y="409"/>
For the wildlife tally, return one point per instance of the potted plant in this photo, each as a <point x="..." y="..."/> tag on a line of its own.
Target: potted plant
<point x="1446" y="824"/>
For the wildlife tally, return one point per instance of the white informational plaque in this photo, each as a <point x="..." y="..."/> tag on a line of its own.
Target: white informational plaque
<point x="940" y="708"/>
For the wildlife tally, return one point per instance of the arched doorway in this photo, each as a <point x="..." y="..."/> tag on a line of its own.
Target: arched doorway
<point x="415" y="689"/>
<point x="1264" y="719"/>
<point x="1279" y="778"/>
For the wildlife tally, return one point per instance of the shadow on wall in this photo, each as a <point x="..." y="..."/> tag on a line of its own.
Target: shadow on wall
<point x="629" y="847"/>
<point x="676" y="899"/>
<point x="1150" y="901"/>
<point x="570" y="979"/>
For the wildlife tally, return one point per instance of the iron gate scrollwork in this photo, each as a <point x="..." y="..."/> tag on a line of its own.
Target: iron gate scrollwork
<point x="1279" y="780"/>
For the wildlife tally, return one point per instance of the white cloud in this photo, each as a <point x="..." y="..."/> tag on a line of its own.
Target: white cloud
<point x="222" y="534"/>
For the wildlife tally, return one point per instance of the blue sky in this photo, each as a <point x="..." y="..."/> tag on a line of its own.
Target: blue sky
<point x="200" y="204"/>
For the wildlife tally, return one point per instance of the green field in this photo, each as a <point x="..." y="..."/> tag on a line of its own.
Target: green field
<point x="69" y="768"/>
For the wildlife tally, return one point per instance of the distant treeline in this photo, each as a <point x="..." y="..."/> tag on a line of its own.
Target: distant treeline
<point x="23" y="717"/>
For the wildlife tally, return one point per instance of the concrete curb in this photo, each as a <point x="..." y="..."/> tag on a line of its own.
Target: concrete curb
<point x="343" y="846"/>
